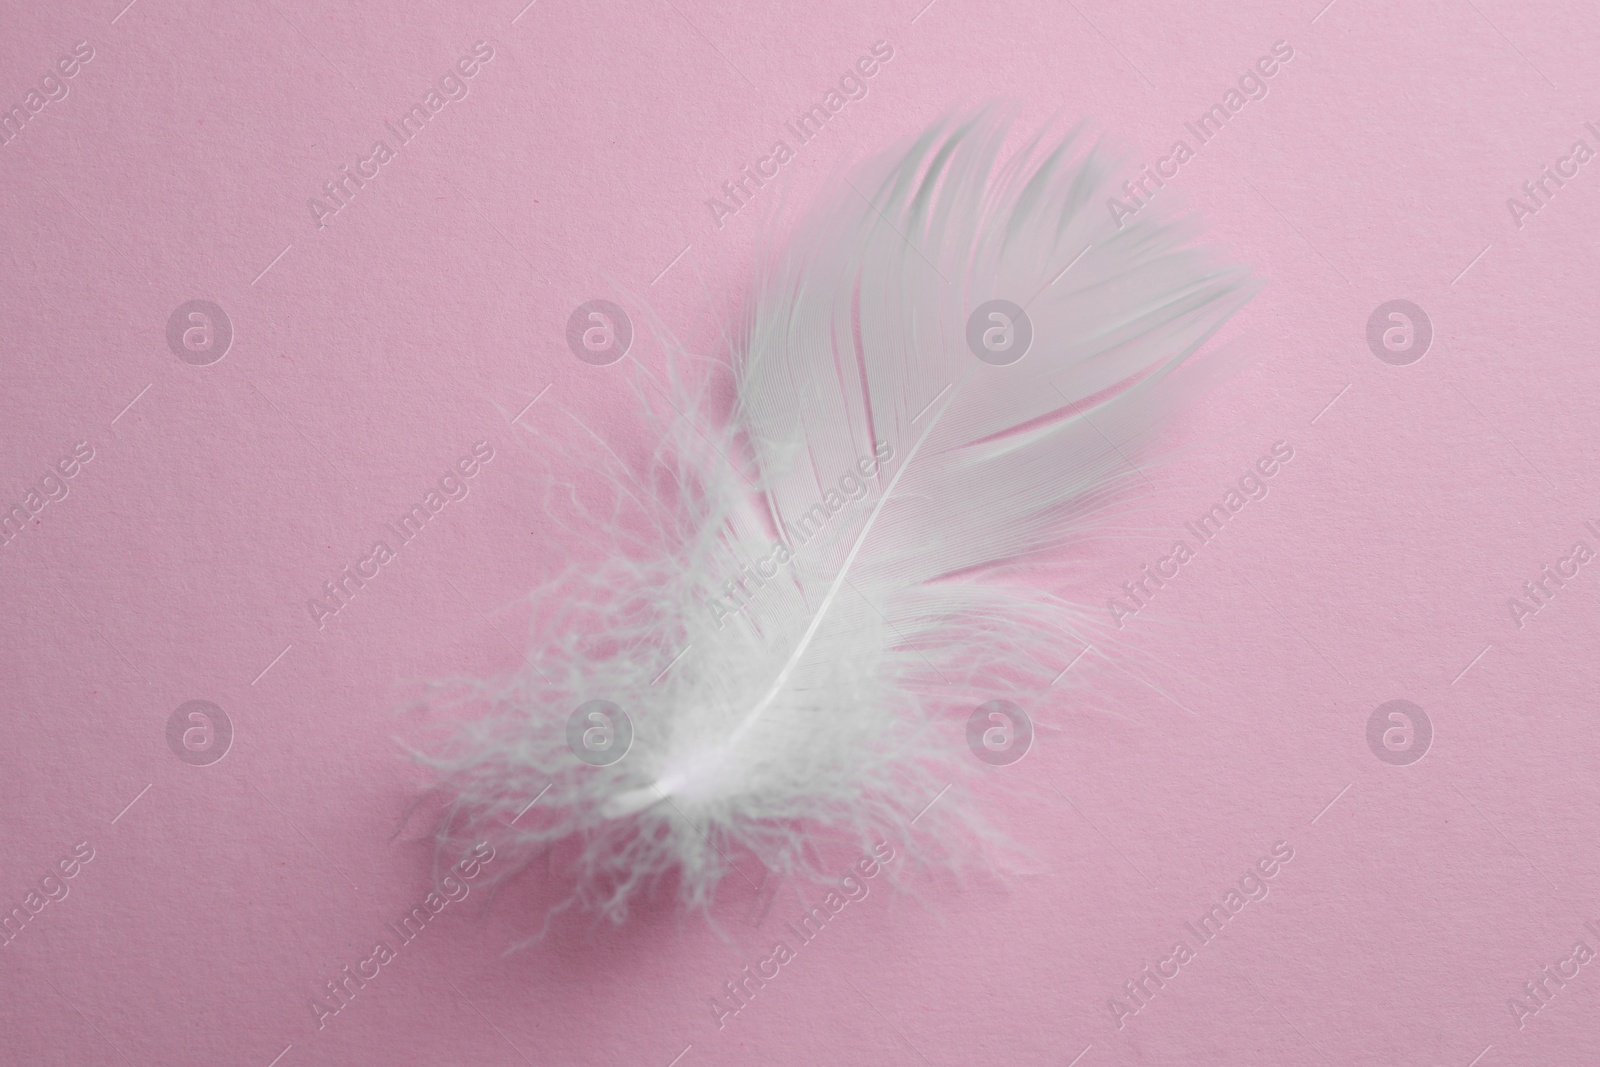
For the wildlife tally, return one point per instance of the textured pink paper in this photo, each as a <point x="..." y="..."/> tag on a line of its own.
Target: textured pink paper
<point x="373" y="346"/>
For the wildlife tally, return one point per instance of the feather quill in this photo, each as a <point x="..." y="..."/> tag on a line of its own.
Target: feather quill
<point x="828" y="574"/>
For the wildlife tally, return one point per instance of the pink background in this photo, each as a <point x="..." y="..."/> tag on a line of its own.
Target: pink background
<point x="369" y="354"/>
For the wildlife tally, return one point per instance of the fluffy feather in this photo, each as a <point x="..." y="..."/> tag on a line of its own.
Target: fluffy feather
<point x="833" y="700"/>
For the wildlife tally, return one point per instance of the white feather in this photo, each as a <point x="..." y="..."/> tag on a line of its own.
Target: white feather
<point x="834" y="701"/>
